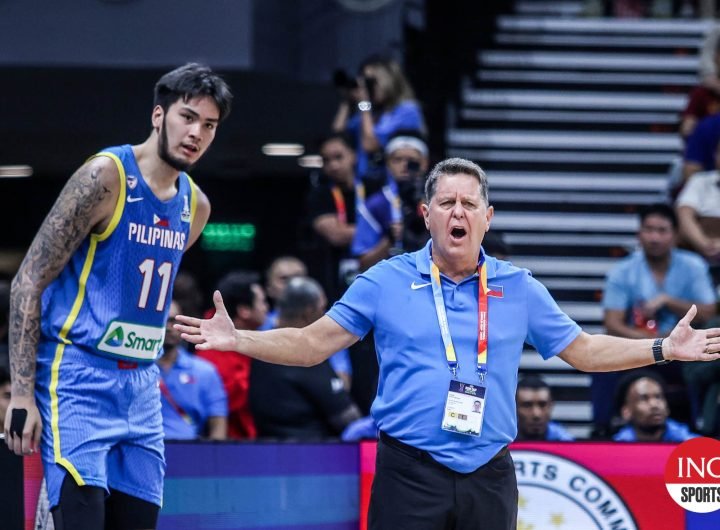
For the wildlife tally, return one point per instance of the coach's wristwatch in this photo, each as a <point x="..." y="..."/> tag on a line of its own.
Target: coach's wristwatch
<point x="657" y="352"/>
<point x="364" y="106"/>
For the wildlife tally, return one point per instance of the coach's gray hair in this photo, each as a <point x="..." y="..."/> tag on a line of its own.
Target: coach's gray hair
<point x="455" y="166"/>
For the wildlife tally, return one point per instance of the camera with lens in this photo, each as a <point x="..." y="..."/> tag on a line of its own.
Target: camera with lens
<point x="343" y="81"/>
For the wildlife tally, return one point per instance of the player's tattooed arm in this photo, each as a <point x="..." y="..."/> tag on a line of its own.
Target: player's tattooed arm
<point x="86" y="203"/>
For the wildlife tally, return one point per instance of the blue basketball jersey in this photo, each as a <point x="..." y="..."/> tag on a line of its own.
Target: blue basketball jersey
<point x="113" y="296"/>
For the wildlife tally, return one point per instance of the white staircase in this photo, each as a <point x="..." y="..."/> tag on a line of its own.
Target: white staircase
<point x="575" y="121"/>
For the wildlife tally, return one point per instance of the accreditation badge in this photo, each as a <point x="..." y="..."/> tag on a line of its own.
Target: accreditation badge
<point x="464" y="408"/>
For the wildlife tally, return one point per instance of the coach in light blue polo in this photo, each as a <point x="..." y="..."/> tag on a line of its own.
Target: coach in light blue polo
<point x="395" y="299"/>
<point x="449" y="325"/>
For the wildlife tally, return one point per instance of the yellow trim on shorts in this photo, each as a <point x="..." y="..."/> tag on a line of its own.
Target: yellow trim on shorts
<point x="72" y="316"/>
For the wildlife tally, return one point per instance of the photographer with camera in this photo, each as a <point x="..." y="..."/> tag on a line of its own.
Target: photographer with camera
<point x="391" y="221"/>
<point x="373" y="106"/>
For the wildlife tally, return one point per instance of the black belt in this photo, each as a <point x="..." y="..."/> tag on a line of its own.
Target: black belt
<point x="421" y="455"/>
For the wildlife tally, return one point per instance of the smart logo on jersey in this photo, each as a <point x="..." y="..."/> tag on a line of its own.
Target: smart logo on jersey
<point x="692" y="475"/>
<point x="116" y="337"/>
<point x="134" y="341"/>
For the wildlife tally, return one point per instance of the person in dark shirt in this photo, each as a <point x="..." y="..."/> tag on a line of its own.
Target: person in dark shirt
<point x="292" y="402"/>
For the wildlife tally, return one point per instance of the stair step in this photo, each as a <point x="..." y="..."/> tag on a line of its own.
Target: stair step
<point x="568" y="99"/>
<point x="549" y="139"/>
<point x="605" y="25"/>
<point x="569" y="197"/>
<point x="549" y="8"/>
<point x="565" y="77"/>
<point x="624" y="42"/>
<point x="575" y="181"/>
<point x="542" y="266"/>
<point x="516" y="239"/>
<point x="559" y="116"/>
<point x="483" y="156"/>
<point x="633" y="62"/>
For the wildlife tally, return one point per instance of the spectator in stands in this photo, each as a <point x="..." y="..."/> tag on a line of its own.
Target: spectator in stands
<point x="278" y="274"/>
<point x="642" y="405"/>
<point x="704" y="99"/>
<point x="187" y="293"/>
<point x="535" y="404"/>
<point x="648" y="292"/>
<point x="391" y="220"/>
<point x="194" y="403"/>
<point x="377" y="104"/>
<point x="4" y="392"/>
<point x="645" y="296"/>
<point x="293" y="402"/>
<point x="331" y="209"/>
<point x="248" y="309"/>
<point x="698" y="212"/>
<point x="701" y="147"/>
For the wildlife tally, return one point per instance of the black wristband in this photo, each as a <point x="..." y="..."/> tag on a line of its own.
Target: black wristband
<point x="657" y="352"/>
<point x="17" y="422"/>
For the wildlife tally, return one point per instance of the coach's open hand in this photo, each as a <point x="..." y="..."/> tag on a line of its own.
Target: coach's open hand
<point x="216" y="333"/>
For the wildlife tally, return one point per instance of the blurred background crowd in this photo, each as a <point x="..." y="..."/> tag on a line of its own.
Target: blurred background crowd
<point x="598" y="123"/>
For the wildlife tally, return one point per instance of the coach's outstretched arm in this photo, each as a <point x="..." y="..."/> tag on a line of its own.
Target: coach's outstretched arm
<point x="306" y="346"/>
<point x="603" y="353"/>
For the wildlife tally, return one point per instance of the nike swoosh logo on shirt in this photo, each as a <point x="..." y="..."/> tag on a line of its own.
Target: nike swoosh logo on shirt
<point x="134" y="199"/>
<point x="415" y="286"/>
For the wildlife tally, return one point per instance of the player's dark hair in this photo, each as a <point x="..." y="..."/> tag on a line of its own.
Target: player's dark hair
<point x="190" y="81"/>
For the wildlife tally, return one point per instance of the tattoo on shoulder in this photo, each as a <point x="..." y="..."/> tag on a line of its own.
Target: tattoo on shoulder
<point x="68" y="223"/>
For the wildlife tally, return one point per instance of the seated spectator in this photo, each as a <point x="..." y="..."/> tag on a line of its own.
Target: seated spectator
<point x="245" y="300"/>
<point x="645" y="296"/>
<point x="642" y="405"/>
<point x="4" y="393"/>
<point x="703" y="101"/>
<point x="278" y="274"/>
<point x="698" y="211"/>
<point x="188" y="294"/>
<point x="535" y="404"/>
<point x="294" y="402"/>
<point x="375" y="105"/>
<point x="648" y="292"/>
<point x="391" y="221"/>
<point x="701" y="147"/>
<point x="194" y="403"/>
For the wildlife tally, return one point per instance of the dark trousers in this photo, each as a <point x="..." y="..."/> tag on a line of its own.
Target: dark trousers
<point x="412" y="491"/>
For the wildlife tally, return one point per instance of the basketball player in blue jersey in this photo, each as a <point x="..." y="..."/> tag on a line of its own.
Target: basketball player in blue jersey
<point x="88" y="311"/>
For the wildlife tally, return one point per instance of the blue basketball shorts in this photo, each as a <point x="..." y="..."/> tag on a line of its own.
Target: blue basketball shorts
<point x="102" y="423"/>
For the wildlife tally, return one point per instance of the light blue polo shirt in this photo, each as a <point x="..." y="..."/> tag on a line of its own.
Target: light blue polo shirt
<point x="195" y="385"/>
<point x="631" y="282"/>
<point x="395" y="299"/>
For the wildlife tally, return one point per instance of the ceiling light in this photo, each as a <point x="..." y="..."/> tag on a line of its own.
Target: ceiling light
<point x="17" y="171"/>
<point x="310" y="161"/>
<point x="283" y="149"/>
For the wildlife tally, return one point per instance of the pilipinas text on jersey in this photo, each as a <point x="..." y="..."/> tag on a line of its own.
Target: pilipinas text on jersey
<point x="113" y="297"/>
